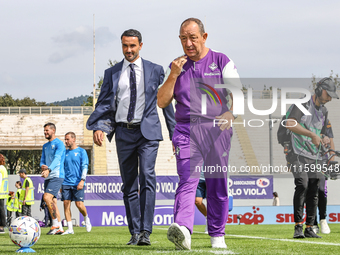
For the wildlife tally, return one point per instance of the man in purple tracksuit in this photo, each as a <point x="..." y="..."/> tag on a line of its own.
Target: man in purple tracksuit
<point x="202" y="136"/>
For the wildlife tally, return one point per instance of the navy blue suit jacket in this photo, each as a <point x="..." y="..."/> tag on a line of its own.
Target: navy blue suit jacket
<point x="103" y="117"/>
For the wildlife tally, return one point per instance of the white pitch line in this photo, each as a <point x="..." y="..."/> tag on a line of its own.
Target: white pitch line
<point x="274" y="239"/>
<point x="217" y="252"/>
<point x="222" y="252"/>
<point x="287" y="240"/>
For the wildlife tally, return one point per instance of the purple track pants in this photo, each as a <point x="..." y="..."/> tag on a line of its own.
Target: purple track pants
<point x="195" y="144"/>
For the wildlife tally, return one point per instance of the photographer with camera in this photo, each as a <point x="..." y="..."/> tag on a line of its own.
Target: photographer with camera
<point x="305" y="157"/>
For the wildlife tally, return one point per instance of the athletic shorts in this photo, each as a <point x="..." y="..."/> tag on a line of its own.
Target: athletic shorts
<point x="71" y="193"/>
<point x="52" y="186"/>
<point x="201" y="190"/>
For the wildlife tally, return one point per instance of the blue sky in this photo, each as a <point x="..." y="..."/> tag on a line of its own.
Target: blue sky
<point x="46" y="47"/>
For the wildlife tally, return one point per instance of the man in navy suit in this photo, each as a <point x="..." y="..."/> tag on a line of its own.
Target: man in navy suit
<point x="127" y="106"/>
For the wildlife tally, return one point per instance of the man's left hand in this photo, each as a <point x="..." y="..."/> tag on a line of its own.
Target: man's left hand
<point x="326" y="141"/>
<point x="44" y="167"/>
<point x="225" y="120"/>
<point x="80" y="185"/>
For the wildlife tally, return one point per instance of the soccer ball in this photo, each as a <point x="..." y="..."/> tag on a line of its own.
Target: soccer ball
<point x="24" y="231"/>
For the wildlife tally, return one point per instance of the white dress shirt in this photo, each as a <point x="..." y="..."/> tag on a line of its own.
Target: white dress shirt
<point x="123" y="92"/>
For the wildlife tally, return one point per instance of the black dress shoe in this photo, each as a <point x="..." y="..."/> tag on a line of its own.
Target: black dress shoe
<point x="310" y="233"/>
<point x="298" y="231"/>
<point x="144" y="238"/>
<point x="133" y="239"/>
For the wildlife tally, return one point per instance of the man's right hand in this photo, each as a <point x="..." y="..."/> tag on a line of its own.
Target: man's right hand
<point x="98" y="137"/>
<point x="177" y="65"/>
<point x="316" y="140"/>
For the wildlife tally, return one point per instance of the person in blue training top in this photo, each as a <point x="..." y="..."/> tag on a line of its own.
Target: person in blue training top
<point x="76" y="166"/>
<point x="52" y="166"/>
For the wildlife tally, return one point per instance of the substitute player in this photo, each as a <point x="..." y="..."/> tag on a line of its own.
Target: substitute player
<point x="196" y="139"/>
<point x="52" y="166"/>
<point x="76" y="166"/>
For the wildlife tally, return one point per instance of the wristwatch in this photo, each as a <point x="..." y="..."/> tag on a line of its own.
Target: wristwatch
<point x="82" y="179"/>
<point x="235" y="115"/>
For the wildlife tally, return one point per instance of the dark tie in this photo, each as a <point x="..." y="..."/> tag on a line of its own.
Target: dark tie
<point x="133" y="93"/>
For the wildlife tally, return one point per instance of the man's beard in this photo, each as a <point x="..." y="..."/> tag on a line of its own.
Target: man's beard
<point x="134" y="56"/>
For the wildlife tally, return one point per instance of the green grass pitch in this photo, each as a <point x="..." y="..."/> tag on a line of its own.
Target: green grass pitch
<point x="241" y="239"/>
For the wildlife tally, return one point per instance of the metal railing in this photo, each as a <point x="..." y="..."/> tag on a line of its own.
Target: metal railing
<point x="268" y="94"/>
<point x="85" y="110"/>
<point x="36" y="141"/>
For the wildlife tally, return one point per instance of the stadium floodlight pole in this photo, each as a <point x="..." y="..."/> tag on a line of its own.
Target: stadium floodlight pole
<point x="94" y="87"/>
<point x="94" y="63"/>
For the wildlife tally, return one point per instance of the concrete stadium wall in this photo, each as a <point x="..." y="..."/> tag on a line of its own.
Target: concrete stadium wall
<point x="27" y="132"/>
<point x="165" y="162"/>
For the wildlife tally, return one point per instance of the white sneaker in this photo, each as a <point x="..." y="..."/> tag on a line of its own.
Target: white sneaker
<point x="68" y="232"/>
<point x="88" y="225"/>
<point x="324" y="227"/>
<point x="180" y="236"/>
<point x="55" y="231"/>
<point x="218" y="242"/>
<point x="316" y="229"/>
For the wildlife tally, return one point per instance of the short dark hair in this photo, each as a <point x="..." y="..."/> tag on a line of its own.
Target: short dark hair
<point x="72" y="134"/>
<point x="50" y="125"/>
<point x="132" y="33"/>
<point x="197" y="21"/>
<point x="19" y="183"/>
